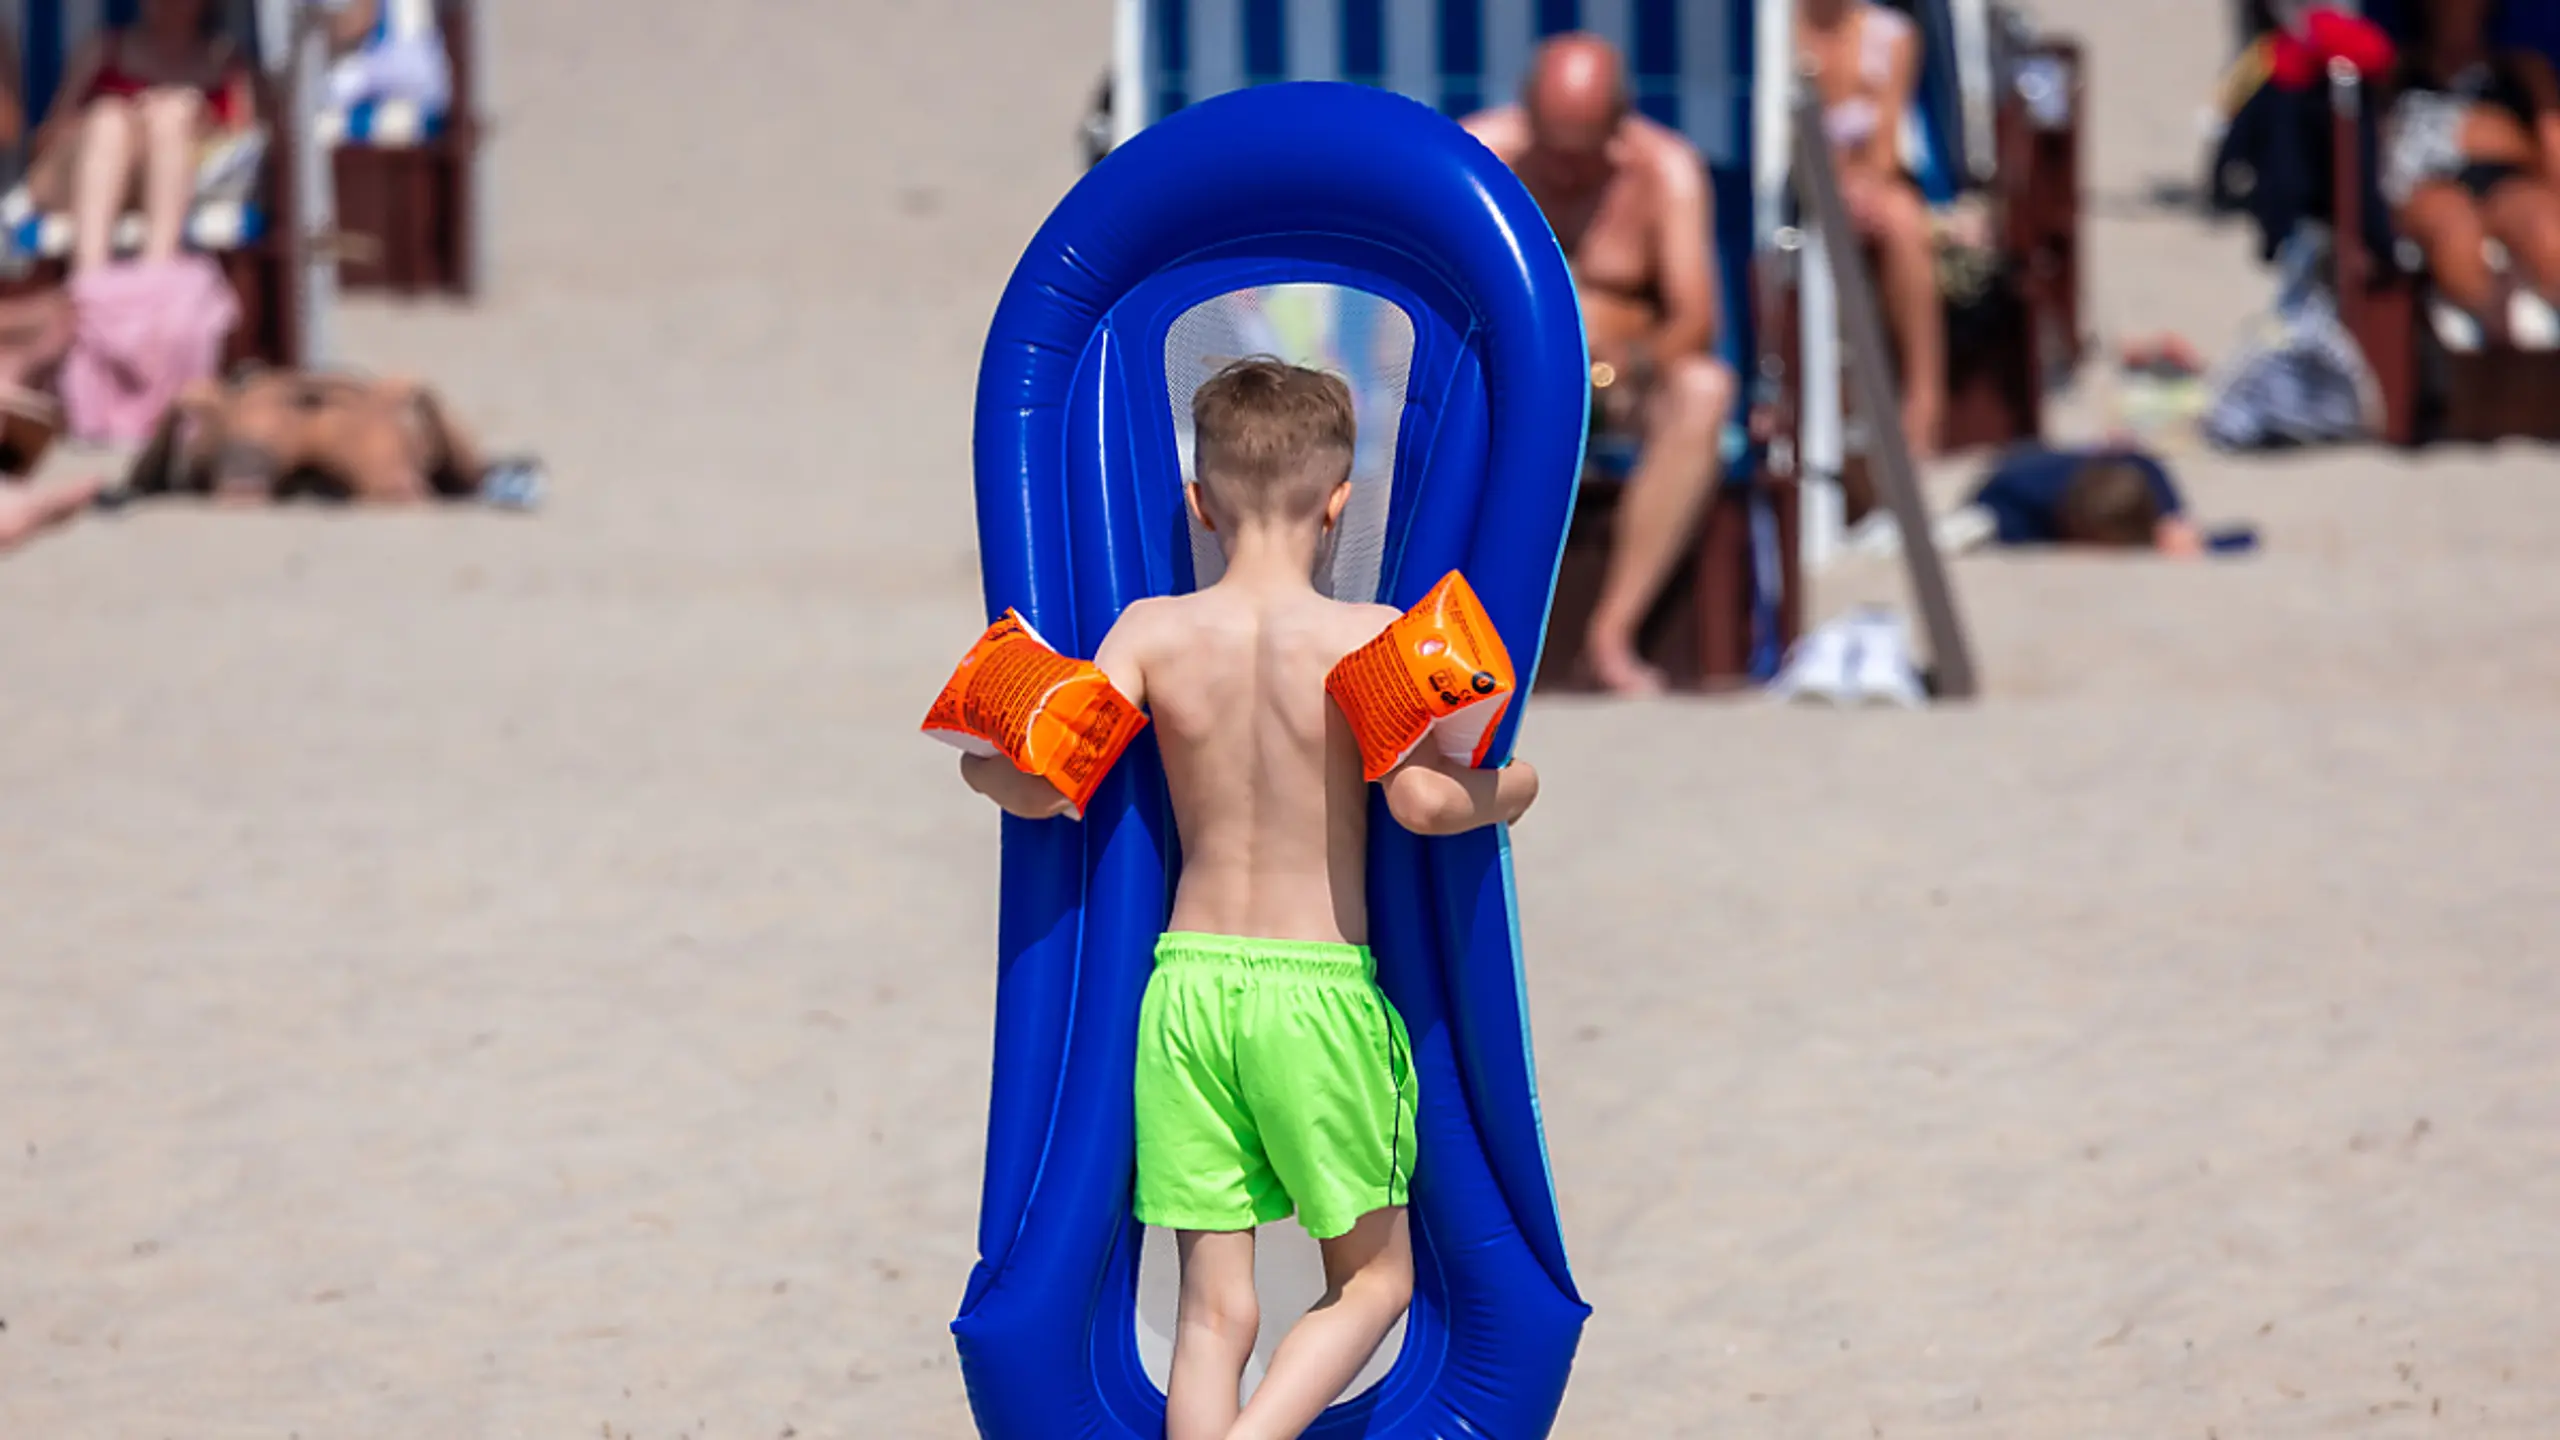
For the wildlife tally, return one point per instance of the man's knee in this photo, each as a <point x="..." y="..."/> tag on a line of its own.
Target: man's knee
<point x="1692" y="398"/>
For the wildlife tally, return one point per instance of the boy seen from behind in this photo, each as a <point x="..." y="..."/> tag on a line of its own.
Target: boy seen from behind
<point x="1273" y="1076"/>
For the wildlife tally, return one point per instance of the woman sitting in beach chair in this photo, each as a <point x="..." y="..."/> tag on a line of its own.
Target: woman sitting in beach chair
<point x="155" y="111"/>
<point x="1865" y="59"/>
<point x="2471" y="154"/>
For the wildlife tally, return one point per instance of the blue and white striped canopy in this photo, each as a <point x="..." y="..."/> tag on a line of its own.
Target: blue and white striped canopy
<point x="1689" y="64"/>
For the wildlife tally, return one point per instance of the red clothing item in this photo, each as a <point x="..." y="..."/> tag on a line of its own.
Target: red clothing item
<point x="2297" y="62"/>
<point x="221" y="98"/>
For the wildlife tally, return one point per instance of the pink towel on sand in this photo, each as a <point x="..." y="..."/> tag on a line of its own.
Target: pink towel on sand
<point x="142" y="332"/>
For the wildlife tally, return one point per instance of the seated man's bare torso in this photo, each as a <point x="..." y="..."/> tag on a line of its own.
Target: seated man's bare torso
<point x="1612" y="234"/>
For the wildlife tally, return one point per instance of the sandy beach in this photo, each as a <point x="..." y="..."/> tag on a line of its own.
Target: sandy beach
<point x="482" y="975"/>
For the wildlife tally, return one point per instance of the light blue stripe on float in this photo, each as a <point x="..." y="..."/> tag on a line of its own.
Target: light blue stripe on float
<point x="1520" y="984"/>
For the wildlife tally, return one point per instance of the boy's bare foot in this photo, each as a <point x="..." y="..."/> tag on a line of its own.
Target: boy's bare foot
<point x="27" y="509"/>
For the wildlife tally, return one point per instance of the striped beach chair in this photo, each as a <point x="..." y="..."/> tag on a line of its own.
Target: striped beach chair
<point x="47" y="36"/>
<point x="407" y="175"/>
<point x="246" y="224"/>
<point x="1714" y="70"/>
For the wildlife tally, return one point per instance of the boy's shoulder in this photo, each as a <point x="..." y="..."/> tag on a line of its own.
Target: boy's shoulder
<point x="1363" y="619"/>
<point x="1343" y="624"/>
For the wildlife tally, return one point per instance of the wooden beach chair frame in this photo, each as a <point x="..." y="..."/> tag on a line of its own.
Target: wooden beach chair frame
<point x="421" y="199"/>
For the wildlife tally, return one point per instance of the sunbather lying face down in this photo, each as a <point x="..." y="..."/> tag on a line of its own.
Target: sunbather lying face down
<point x="1628" y="200"/>
<point x="279" y="434"/>
<point x="2111" y="499"/>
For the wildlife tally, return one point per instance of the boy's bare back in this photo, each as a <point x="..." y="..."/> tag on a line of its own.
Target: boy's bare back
<point x="1264" y="774"/>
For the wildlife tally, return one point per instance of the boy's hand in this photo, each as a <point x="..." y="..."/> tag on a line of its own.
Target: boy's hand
<point x="1518" y="789"/>
<point x="1430" y="795"/>
<point x="1016" y="793"/>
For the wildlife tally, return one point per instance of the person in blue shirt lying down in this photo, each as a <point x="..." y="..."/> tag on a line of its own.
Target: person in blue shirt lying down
<point x="2121" y="499"/>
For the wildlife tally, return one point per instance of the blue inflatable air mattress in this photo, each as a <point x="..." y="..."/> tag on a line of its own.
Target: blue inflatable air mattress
<point x="1080" y="513"/>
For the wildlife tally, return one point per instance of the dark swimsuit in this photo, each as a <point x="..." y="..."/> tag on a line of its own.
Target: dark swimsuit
<point x="2493" y="81"/>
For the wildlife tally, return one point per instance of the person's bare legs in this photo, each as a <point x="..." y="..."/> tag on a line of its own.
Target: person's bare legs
<point x="1368" y="1282"/>
<point x="170" y="118"/>
<point x="2524" y="215"/>
<point x="2441" y="217"/>
<point x="1907" y="281"/>
<point x="27" y="509"/>
<point x="1657" y="515"/>
<point x="101" y="178"/>
<point x="1213" y="1333"/>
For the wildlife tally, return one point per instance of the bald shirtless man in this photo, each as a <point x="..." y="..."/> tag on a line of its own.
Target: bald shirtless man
<point x="1628" y="199"/>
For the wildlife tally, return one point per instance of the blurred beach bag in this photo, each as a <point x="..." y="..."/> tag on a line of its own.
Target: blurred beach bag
<point x="2300" y="378"/>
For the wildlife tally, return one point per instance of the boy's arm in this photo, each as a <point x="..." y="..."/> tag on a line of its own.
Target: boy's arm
<point x="1030" y="796"/>
<point x="1687" y="275"/>
<point x="1014" y="791"/>
<point x="1118" y="659"/>
<point x="1429" y="794"/>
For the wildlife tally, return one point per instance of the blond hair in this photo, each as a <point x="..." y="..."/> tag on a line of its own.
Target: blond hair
<point x="1271" y="440"/>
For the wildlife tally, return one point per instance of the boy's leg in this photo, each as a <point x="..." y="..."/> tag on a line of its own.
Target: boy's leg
<point x="1213" y="1333"/>
<point x="1368" y="1282"/>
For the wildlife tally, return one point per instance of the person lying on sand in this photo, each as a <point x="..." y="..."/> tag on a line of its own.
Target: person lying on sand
<point x="279" y="434"/>
<point x="2120" y="499"/>
<point x="2111" y="497"/>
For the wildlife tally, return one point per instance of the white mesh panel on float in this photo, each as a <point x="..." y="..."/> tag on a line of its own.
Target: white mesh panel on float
<point x="1365" y="339"/>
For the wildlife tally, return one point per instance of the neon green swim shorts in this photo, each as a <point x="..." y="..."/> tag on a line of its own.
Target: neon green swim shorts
<point x="1272" y="1075"/>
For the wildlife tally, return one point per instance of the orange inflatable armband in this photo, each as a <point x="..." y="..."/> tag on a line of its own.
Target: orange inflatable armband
<point x="1438" y="669"/>
<point x="1053" y="716"/>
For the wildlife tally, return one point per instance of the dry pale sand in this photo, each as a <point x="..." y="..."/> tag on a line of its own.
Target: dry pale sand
<point x="466" y="975"/>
